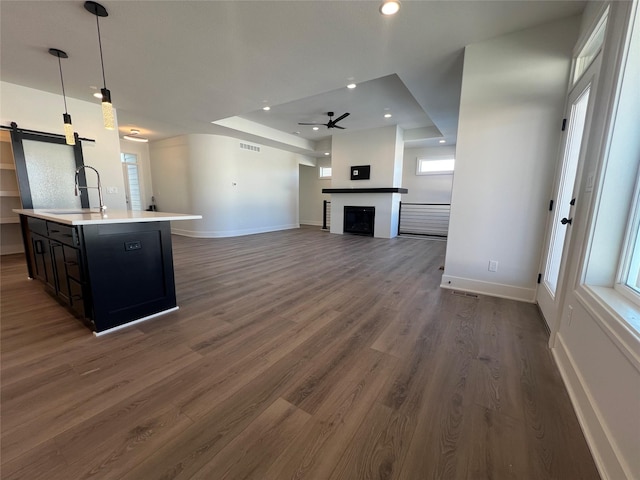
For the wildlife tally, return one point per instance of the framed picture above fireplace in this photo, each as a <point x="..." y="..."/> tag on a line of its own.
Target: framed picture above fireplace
<point x="361" y="172"/>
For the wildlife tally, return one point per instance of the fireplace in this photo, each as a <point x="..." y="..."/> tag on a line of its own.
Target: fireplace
<point x="359" y="220"/>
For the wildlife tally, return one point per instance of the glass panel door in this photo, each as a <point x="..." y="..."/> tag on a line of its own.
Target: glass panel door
<point x="51" y="170"/>
<point x="567" y="182"/>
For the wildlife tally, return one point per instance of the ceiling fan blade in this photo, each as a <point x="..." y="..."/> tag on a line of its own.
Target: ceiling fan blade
<point x="340" y="118"/>
<point x="338" y="126"/>
<point x="299" y="123"/>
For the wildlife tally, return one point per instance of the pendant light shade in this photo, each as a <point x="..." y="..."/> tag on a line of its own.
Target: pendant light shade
<point x="107" y="110"/>
<point x="68" y="129"/>
<point x="107" y="107"/>
<point x="66" y="118"/>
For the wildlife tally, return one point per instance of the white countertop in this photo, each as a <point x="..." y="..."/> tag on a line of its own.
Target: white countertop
<point x="91" y="216"/>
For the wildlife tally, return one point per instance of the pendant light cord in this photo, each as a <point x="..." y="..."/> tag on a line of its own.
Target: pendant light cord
<point x="64" y="97"/>
<point x="104" y="81"/>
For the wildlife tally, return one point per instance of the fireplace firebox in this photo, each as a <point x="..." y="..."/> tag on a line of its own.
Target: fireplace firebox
<point x="359" y="220"/>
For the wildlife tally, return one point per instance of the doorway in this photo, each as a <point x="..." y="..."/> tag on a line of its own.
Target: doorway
<point x="132" y="181"/>
<point x="565" y="195"/>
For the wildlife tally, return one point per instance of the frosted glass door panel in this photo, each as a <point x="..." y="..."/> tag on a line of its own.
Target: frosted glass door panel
<point x="51" y="170"/>
<point x="565" y="189"/>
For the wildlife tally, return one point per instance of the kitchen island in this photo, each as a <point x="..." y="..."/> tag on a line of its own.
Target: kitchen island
<point x="110" y="268"/>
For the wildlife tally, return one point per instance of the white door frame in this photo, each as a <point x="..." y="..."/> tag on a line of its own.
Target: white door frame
<point x="548" y="301"/>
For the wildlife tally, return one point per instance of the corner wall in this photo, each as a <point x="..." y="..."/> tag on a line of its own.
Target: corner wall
<point x="144" y="168"/>
<point x="512" y="100"/>
<point x="426" y="188"/>
<point x="311" y="196"/>
<point x="237" y="191"/>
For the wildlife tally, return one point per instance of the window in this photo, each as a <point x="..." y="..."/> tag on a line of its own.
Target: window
<point x="591" y="48"/>
<point x="325" y="172"/>
<point x="128" y="158"/>
<point x="132" y="185"/>
<point x="428" y="166"/>
<point x="612" y="263"/>
<point x="630" y="274"/>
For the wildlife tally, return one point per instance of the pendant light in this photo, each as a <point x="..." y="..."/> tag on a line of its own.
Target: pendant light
<point x="68" y="127"/>
<point x="107" y="108"/>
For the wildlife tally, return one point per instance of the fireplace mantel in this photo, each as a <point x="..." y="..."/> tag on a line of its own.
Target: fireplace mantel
<point x="365" y="190"/>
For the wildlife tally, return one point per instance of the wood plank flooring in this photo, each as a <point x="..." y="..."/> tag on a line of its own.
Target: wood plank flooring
<point x="294" y="355"/>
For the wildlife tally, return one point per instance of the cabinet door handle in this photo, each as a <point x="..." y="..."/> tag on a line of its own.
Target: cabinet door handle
<point x="54" y="231"/>
<point x="39" y="247"/>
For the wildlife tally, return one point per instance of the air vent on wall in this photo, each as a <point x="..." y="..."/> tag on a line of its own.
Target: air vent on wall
<point x="246" y="146"/>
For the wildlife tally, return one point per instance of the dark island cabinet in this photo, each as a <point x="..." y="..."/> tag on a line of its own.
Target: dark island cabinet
<point x="106" y="274"/>
<point x="55" y="257"/>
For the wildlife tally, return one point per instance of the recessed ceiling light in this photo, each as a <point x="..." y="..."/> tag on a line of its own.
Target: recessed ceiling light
<point x="389" y="7"/>
<point x="98" y="95"/>
<point x="267" y="108"/>
<point x="316" y="128"/>
<point x="351" y="86"/>
<point x="387" y="115"/>
<point x="442" y="141"/>
<point x="326" y="153"/>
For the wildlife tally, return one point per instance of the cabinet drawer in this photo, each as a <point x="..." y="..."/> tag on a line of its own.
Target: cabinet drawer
<point x="72" y="263"/>
<point x="37" y="225"/>
<point x="76" y="297"/>
<point x="63" y="233"/>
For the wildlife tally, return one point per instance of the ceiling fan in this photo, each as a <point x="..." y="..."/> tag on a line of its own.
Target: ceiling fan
<point x="331" y="123"/>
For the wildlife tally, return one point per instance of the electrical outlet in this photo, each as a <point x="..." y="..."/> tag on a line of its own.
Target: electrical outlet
<point x="493" y="265"/>
<point x="112" y="189"/>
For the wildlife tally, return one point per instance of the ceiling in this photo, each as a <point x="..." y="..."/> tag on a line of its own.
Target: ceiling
<point x="174" y="67"/>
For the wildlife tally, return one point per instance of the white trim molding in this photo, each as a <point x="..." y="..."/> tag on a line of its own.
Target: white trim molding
<point x="488" y="288"/>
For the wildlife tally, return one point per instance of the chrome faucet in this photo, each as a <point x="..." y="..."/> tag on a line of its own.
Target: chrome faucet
<point x="103" y="207"/>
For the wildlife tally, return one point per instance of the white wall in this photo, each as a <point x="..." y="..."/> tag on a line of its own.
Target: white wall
<point x="37" y="110"/>
<point x="144" y="168"/>
<point x="237" y="191"/>
<point x="512" y="99"/>
<point x="169" y="161"/>
<point x="311" y="196"/>
<point x="381" y="148"/>
<point x="426" y="188"/>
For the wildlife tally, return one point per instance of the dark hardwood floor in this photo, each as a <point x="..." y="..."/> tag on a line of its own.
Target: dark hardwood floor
<point x="294" y="355"/>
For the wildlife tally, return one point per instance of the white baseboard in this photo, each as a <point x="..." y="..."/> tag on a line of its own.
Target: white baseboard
<point x="134" y="322"/>
<point x="232" y="233"/>
<point x="595" y="431"/>
<point x="315" y="223"/>
<point x="487" y="288"/>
